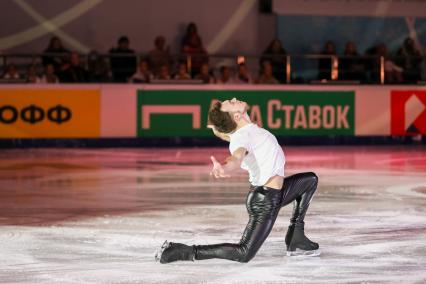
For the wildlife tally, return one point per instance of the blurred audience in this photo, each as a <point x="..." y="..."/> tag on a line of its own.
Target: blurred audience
<point x="72" y="71"/>
<point x="225" y="77"/>
<point x="98" y="67"/>
<point x="164" y="73"/>
<point x="277" y="57"/>
<point x="243" y="75"/>
<point x="192" y="46"/>
<point x="351" y="65"/>
<point x="325" y="63"/>
<point x="267" y="76"/>
<point x="32" y="76"/>
<point x="159" y="56"/>
<point x="49" y="75"/>
<point x="55" y="53"/>
<point x="182" y="73"/>
<point x="205" y="75"/>
<point x="11" y="73"/>
<point x="409" y="58"/>
<point x="122" y="60"/>
<point x="143" y="75"/>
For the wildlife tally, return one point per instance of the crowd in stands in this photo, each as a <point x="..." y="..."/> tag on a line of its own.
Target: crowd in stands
<point x="122" y="64"/>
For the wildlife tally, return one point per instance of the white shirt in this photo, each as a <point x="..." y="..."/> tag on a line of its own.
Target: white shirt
<point x="265" y="157"/>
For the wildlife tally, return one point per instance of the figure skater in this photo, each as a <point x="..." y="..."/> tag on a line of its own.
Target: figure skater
<point x="256" y="150"/>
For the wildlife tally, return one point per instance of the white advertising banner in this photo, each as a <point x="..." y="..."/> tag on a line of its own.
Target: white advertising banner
<point x="372" y="8"/>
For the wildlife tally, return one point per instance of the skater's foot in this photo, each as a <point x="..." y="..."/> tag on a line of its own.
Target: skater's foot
<point x="301" y="245"/>
<point x="170" y="252"/>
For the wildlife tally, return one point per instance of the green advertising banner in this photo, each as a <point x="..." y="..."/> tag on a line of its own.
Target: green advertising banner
<point x="168" y="113"/>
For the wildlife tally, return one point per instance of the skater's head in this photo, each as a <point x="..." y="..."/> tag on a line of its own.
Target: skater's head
<point x="228" y="115"/>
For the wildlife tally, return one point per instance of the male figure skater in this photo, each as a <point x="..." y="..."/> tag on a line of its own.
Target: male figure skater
<point x="256" y="150"/>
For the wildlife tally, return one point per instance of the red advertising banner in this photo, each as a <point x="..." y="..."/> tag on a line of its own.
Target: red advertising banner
<point x="408" y="112"/>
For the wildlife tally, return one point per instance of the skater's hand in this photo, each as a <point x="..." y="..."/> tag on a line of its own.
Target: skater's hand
<point x="218" y="171"/>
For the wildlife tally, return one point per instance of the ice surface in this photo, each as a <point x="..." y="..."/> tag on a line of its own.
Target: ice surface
<point x="98" y="216"/>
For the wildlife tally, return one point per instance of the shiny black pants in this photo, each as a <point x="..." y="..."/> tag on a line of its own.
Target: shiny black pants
<point x="263" y="205"/>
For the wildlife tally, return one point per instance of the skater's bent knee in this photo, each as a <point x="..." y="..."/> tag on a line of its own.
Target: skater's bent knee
<point x="313" y="177"/>
<point x="244" y="258"/>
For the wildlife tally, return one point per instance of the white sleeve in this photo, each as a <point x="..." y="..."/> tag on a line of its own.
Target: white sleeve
<point x="240" y="141"/>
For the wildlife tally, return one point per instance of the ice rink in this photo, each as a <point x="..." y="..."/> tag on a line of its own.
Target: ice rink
<point x="98" y="215"/>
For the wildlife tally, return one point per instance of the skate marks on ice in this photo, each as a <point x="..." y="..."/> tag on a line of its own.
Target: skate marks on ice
<point x="97" y="216"/>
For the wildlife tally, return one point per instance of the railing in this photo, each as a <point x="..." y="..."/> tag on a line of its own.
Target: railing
<point x="292" y="69"/>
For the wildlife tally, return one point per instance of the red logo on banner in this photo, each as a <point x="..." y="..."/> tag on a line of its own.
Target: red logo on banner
<point x="408" y="115"/>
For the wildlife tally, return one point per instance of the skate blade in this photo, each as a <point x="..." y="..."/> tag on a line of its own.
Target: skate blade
<point x="299" y="252"/>
<point x="160" y="250"/>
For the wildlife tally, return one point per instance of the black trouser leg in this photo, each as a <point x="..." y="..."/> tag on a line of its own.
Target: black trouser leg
<point x="299" y="189"/>
<point x="263" y="205"/>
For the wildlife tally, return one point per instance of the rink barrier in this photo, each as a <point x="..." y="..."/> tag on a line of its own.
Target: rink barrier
<point x="166" y="111"/>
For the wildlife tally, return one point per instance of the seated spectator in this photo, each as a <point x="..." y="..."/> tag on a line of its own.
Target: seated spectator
<point x="192" y="46"/>
<point x="11" y="73"/>
<point x="243" y="76"/>
<point x="49" y="75"/>
<point x="351" y="66"/>
<point x="182" y="73"/>
<point x="98" y="68"/>
<point x="55" y="53"/>
<point x="277" y="56"/>
<point x="225" y="76"/>
<point x="267" y="77"/>
<point x="409" y="58"/>
<point x="205" y="75"/>
<point x="73" y="71"/>
<point x="164" y="73"/>
<point x="31" y="76"/>
<point x="143" y="75"/>
<point x="123" y="60"/>
<point x="325" y="63"/>
<point x="159" y="56"/>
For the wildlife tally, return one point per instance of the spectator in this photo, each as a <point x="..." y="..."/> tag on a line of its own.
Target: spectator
<point x="143" y="75"/>
<point x="32" y="76"/>
<point x="159" y="56"/>
<point x="225" y="76"/>
<point x="192" y="46"/>
<point x="55" y="53"/>
<point x="351" y="65"/>
<point x="325" y="63"/>
<point x="49" y="75"/>
<point x="409" y="57"/>
<point x="123" y="60"/>
<point x="11" y="73"/>
<point x="73" y="72"/>
<point x="164" y="73"/>
<point x="267" y="77"/>
<point x="276" y="55"/>
<point x="98" y="68"/>
<point x="243" y="76"/>
<point x="182" y="73"/>
<point x="205" y="75"/>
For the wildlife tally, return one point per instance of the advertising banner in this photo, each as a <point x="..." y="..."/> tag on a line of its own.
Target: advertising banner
<point x="408" y="112"/>
<point x="49" y="113"/>
<point x="163" y="113"/>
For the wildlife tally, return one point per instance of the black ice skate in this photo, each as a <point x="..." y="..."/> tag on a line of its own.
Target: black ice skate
<point x="300" y="245"/>
<point x="170" y="252"/>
